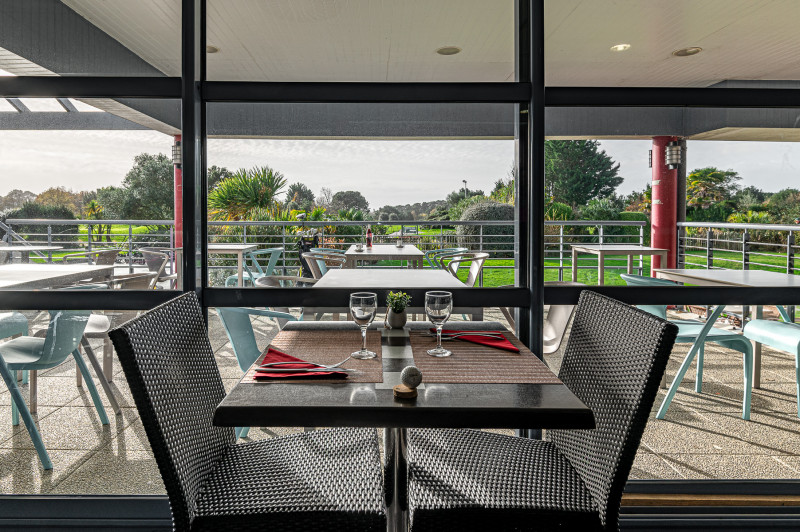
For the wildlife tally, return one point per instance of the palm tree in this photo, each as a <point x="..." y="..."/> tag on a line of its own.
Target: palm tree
<point x="708" y="186"/>
<point x="246" y="195"/>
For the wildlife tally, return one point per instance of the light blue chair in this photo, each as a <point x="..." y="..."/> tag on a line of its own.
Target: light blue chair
<point x="64" y="333"/>
<point x="14" y="324"/>
<point x="783" y="335"/>
<point x="253" y="270"/>
<point x="327" y="250"/>
<point x="432" y="257"/>
<point x="698" y="333"/>
<point x="239" y="329"/>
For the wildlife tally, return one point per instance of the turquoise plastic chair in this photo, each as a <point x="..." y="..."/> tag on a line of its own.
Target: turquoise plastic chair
<point x="783" y="335"/>
<point x="14" y="324"/>
<point x="698" y="333"/>
<point x="64" y="333"/>
<point x="432" y="257"/>
<point x="327" y="250"/>
<point x="254" y="270"/>
<point x="236" y="321"/>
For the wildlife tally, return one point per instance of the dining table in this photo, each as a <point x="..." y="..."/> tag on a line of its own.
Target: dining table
<point x="382" y="278"/>
<point x="37" y="276"/>
<point x="407" y="252"/>
<point x="25" y="251"/>
<point x="476" y="387"/>
<point x="601" y="251"/>
<point x="746" y="278"/>
<point x="240" y="250"/>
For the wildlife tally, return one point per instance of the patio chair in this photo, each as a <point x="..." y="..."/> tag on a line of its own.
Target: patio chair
<point x="327" y="479"/>
<point x="156" y="260"/>
<point x="254" y="270"/>
<point x="30" y="353"/>
<point x="475" y="260"/>
<point x="320" y="263"/>
<point x="327" y="250"/>
<point x="698" y="333"/>
<point x="784" y="336"/>
<point x="236" y="321"/>
<point x="99" y="257"/>
<point x="432" y="257"/>
<point x="474" y="480"/>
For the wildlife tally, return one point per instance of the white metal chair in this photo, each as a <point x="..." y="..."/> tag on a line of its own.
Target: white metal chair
<point x="475" y="260"/>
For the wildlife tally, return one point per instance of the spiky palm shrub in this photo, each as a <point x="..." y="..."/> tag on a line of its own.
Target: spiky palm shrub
<point x="246" y="194"/>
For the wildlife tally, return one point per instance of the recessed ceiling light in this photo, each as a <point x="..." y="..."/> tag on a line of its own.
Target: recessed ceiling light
<point x="210" y="49"/>
<point x="448" y="50"/>
<point x="620" y="47"/>
<point x="685" y="52"/>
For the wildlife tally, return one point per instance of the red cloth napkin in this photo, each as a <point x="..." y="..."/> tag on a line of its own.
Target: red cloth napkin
<point x="488" y="341"/>
<point x="273" y="355"/>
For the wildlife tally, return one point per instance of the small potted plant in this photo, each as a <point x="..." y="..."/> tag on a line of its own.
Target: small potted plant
<point x="396" y="303"/>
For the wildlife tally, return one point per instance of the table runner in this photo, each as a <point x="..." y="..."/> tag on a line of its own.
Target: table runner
<point x="473" y="363"/>
<point x="326" y="347"/>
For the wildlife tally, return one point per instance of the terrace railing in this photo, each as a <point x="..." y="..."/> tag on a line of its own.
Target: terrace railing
<point x="494" y="237"/>
<point x="736" y="246"/>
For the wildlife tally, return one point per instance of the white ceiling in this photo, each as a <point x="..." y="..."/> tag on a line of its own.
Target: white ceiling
<point x="395" y="40"/>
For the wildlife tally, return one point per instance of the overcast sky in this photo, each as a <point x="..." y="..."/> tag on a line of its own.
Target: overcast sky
<point x="386" y="172"/>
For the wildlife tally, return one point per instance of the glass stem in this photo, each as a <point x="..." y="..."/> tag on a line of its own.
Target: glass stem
<point x="439" y="337"/>
<point x="363" y="339"/>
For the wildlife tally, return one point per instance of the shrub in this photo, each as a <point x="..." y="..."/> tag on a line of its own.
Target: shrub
<point x="497" y="239"/>
<point x="456" y="211"/>
<point x="30" y="210"/>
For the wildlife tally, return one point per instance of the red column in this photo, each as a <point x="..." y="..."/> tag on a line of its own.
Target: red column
<point x="664" y="219"/>
<point x="178" y="202"/>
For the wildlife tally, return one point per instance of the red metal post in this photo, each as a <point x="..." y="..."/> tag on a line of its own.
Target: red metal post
<point x="664" y="219"/>
<point x="178" y="202"/>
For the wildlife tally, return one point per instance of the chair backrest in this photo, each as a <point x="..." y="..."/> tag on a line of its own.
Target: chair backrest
<point x="155" y="260"/>
<point x="639" y="280"/>
<point x="319" y="263"/>
<point x="476" y="261"/>
<point x="104" y="257"/>
<point x="613" y="362"/>
<point x="555" y="325"/>
<point x="64" y="333"/>
<point x="236" y="321"/>
<point x="174" y="379"/>
<point x="327" y="250"/>
<point x="273" y="253"/>
<point x="432" y="256"/>
<point x="135" y="281"/>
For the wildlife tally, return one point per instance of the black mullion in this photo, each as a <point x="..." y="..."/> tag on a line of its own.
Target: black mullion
<point x="89" y="87"/>
<point x="365" y="92"/>
<point x="84" y="300"/>
<point x="669" y="97"/>
<point x="687" y="295"/>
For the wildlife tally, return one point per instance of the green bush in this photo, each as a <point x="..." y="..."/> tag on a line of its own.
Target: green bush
<point x="627" y="216"/>
<point x="556" y="211"/>
<point x="30" y="210"/>
<point x="498" y="239"/>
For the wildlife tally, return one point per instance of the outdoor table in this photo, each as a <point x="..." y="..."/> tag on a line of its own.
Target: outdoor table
<point x="25" y="251"/>
<point x="376" y="279"/>
<point x="606" y="250"/>
<point x="752" y="278"/>
<point x="33" y="276"/>
<point x="408" y="252"/>
<point x="525" y="395"/>
<point x="234" y="249"/>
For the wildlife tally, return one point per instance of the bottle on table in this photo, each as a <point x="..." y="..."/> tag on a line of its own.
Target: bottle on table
<point x="369" y="236"/>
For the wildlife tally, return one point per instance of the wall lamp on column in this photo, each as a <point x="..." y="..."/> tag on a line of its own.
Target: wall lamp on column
<point x="176" y="153"/>
<point x="672" y="155"/>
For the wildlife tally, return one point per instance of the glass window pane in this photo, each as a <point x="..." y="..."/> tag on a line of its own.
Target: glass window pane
<point x="361" y="40"/>
<point x="400" y="171"/>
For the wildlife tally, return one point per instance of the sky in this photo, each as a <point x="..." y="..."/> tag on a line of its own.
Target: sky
<point x="386" y="172"/>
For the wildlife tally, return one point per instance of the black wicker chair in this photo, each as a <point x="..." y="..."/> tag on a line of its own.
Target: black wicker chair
<point x="472" y="480"/>
<point x="324" y="480"/>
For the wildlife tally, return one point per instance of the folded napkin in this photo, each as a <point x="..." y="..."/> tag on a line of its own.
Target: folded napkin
<point x="273" y="355"/>
<point x="488" y="341"/>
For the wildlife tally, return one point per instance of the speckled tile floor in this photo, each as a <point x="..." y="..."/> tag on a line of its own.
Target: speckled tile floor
<point x="703" y="435"/>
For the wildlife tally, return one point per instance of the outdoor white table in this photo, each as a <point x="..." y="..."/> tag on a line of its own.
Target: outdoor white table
<point x="751" y="278"/>
<point x="374" y="279"/>
<point x="25" y="251"/>
<point x="605" y="250"/>
<point x="234" y="249"/>
<point x="32" y="276"/>
<point x="408" y="252"/>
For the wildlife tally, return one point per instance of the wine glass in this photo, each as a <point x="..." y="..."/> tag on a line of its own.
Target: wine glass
<point x="438" y="306"/>
<point x="363" y="306"/>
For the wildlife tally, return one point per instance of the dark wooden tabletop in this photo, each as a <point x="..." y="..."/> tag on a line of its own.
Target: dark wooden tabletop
<point x="345" y="404"/>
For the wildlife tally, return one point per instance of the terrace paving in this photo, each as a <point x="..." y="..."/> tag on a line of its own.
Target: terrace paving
<point x="703" y="436"/>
